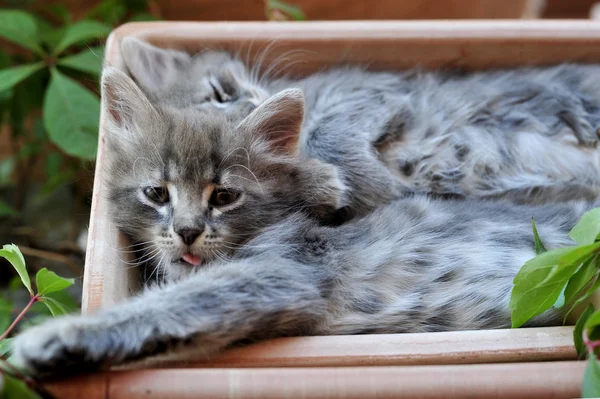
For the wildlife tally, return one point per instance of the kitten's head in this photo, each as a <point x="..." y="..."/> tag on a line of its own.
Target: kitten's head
<point x="191" y="187"/>
<point x="209" y="80"/>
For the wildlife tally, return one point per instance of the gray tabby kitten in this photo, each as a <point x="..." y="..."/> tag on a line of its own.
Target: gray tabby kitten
<point x="228" y="209"/>
<point x="527" y="134"/>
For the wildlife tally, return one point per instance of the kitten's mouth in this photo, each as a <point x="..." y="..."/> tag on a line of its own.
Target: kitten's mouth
<point x="191" y="259"/>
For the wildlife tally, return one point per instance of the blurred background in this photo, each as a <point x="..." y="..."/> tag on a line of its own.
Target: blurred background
<point x="50" y="59"/>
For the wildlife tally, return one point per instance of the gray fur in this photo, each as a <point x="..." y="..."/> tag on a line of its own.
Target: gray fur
<point x="527" y="134"/>
<point x="271" y="268"/>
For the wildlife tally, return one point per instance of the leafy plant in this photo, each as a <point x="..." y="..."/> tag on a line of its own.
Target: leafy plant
<point x="70" y="124"/>
<point x="48" y="91"/>
<point x="276" y="10"/>
<point x="48" y="284"/>
<point x="564" y="278"/>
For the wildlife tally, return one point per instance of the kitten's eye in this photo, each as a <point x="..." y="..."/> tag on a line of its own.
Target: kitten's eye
<point x="222" y="197"/>
<point x="160" y="195"/>
<point x="220" y="95"/>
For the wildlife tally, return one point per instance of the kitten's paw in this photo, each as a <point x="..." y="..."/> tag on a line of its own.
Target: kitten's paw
<point x="56" y="348"/>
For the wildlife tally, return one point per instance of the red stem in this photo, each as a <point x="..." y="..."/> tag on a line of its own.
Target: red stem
<point x="33" y="300"/>
<point x="32" y="384"/>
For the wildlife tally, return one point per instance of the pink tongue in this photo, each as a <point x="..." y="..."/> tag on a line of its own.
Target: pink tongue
<point x="192" y="259"/>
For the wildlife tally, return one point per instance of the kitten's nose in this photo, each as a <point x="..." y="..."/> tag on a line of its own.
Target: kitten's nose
<point x="189" y="235"/>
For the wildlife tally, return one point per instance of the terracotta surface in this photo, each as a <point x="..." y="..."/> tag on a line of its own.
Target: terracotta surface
<point x="462" y="347"/>
<point x="553" y="380"/>
<point x="383" y="45"/>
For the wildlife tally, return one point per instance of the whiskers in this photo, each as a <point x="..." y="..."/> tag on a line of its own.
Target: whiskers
<point x="149" y="252"/>
<point x="156" y="271"/>
<point x="258" y="74"/>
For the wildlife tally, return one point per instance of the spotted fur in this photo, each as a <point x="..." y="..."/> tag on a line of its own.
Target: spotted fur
<point x="272" y="267"/>
<point x="527" y="135"/>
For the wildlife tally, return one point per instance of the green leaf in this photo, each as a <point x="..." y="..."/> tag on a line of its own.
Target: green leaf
<point x="293" y="11"/>
<point x="82" y="31"/>
<point x="6" y="210"/>
<point x="65" y="299"/>
<point x="5" y="314"/>
<point x="12" y="253"/>
<point x="16" y="389"/>
<point x="50" y="35"/>
<point x="581" y="279"/>
<point x="19" y="27"/>
<point x="47" y="282"/>
<point x="88" y="61"/>
<point x="593" y="320"/>
<point x="109" y="11"/>
<point x="27" y="97"/>
<point x="5" y="346"/>
<point x="7" y="167"/>
<point x="60" y="11"/>
<point x="582" y="298"/>
<point x="11" y="76"/>
<point x="4" y="59"/>
<point x="540" y="281"/>
<point x="539" y="245"/>
<point x="143" y="17"/>
<point x="587" y="229"/>
<point x="71" y="116"/>
<point x="578" y="331"/>
<point x="591" y="380"/>
<point x="55" y="307"/>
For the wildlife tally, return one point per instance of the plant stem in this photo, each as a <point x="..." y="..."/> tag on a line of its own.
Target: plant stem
<point x="33" y="300"/>
<point x="9" y="368"/>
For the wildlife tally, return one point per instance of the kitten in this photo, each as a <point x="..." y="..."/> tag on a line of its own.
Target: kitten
<point x="528" y="134"/>
<point x="228" y="208"/>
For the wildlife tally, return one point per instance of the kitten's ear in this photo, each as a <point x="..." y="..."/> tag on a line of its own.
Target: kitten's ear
<point x="278" y="120"/>
<point x="153" y="68"/>
<point x="125" y="103"/>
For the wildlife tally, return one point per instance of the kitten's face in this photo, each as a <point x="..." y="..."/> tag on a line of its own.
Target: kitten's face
<point x="211" y="80"/>
<point x="193" y="187"/>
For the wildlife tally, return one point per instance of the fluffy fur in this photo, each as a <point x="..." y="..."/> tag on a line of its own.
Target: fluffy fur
<point x="528" y="135"/>
<point x="270" y="268"/>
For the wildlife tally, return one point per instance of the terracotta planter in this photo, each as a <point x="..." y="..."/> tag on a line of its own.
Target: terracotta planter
<point x="559" y="380"/>
<point x="384" y="45"/>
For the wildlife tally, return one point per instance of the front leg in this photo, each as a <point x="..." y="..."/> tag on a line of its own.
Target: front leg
<point x="256" y="297"/>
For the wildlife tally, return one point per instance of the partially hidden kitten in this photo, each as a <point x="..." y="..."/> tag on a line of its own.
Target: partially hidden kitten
<point x="225" y="209"/>
<point x="527" y="134"/>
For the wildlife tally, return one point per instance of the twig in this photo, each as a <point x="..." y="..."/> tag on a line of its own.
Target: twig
<point x="32" y="384"/>
<point x="53" y="256"/>
<point x="33" y="300"/>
